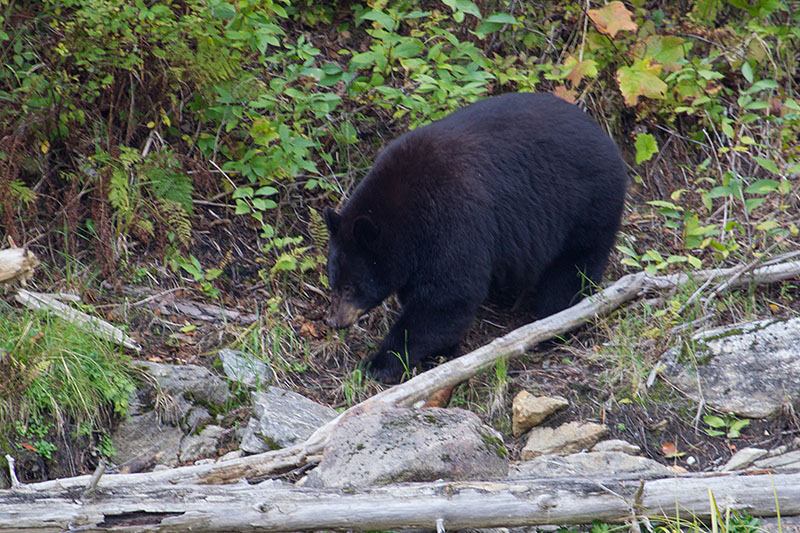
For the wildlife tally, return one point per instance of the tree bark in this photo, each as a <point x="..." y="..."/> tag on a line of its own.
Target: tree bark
<point x="124" y="505"/>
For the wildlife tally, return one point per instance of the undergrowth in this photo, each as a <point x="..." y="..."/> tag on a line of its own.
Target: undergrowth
<point x="57" y="378"/>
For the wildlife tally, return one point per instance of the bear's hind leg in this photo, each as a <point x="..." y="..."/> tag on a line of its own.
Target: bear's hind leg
<point x="570" y="277"/>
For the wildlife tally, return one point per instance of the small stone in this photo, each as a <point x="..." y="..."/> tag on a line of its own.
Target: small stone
<point x="742" y="459"/>
<point x="529" y="410"/>
<point x="248" y="371"/>
<point x="616" y="445"/>
<point x="204" y="444"/>
<point x="235" y="454"/>
<point x="563" y="440"/>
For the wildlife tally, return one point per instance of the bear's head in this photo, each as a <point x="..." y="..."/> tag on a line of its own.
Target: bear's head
<point x="354" y="274"/>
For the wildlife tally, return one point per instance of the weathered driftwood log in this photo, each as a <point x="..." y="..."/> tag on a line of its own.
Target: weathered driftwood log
<point x="94" y="325"/>
<point x="270" y="506"/>
<point x="17" y="263"/>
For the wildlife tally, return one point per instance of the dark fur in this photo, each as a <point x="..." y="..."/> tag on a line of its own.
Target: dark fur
<point x="513" y="193"/>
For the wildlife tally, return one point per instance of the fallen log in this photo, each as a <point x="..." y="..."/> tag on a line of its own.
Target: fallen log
<point x="94" y="325"/>
<point x="274" y="506"/>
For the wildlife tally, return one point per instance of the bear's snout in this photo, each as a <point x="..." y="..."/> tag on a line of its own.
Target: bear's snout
<point x="342" y="313"/>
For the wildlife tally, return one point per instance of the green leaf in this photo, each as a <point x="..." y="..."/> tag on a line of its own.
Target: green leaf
<point x="408" y="48"/>
<point x="380" y="17"/>
<point x="242" y="207"/>
<point x="266" y="191"/>
<point x="767" y="225"/>
<point x="747" y="72"/>
<point x="501" y="18"/>
<point x="714" y="421"/>
<point x="695" y="262"/>
<point x="727" y="129"/>
<point x="762" y="187"/>
<point x="224" y="10"/>
<point x="243" y="192"/>
<point x="463" y="6"/>
<point x="668" y="51"/>
<point x="646" y="147"/>
<point x="767" y="164"/>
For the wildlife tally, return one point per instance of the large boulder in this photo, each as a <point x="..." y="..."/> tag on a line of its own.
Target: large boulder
<point x="381" y="444"/>
<point x="751" y="370"/>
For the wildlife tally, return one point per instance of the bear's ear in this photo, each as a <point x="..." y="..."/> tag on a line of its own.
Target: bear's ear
<point x="332" y="219"/>
<point x="366" y="232"/>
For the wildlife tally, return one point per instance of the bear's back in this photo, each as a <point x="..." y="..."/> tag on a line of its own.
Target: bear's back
<point x="508" y="178"/>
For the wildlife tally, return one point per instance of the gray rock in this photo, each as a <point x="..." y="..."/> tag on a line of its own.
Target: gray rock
<point x="742" y="459"/>
<point x="616" y="445"/>
<point x="786" y="461"/>
<point x="144" y="436"/>
<point x="751" y="370"/>
<point x="192" y="381"/>
<point x="195" y="417"/>
<point x="591" y="464"/>
<point x="528" y="410"/>
<point x="204" y="444"/>
<point x="563" y="440"/>
<point x="282" y="418"/>
<point x="248" y="371"/>
<point x="383" y="444"/>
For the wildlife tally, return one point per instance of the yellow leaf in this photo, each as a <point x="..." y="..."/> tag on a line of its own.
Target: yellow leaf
<point x="612" y="18"/>
<point x="44" y="147"/>
<point x="151" y="124"/>
<point x="640" y="79"/>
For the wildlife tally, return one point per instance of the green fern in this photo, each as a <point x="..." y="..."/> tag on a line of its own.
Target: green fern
<point x="167" y="180"/>
<point x="177" y="219"/>
<point x="317" y="229"/>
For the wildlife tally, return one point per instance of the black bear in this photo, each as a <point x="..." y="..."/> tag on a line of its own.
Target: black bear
<point x="512" y="194"/>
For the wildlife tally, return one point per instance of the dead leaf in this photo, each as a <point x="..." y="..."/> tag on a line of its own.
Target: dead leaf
<point x="669" y="449"/>
<point x="678" y="469"/>
<point x="565" y="94"/>
<point x="612" y="18"/>
<point x="440" y="398"/>
<point x="308" y="330"/>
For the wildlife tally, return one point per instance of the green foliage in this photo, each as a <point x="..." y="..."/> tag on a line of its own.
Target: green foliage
<point x="54" y="373"/>
<point x="135" y="101"/>
<point x="728" y="426"/>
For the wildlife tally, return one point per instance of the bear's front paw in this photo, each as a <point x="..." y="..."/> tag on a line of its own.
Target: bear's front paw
<point x="386" y="368"/>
